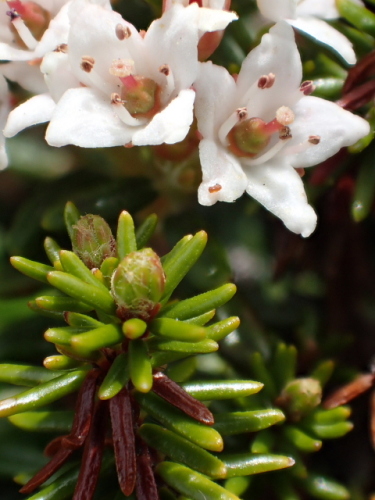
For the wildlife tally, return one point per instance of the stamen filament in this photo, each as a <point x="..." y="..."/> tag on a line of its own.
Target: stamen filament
<point x="169" y="86"/>
<point x="125" y="116"/>
<point x="24" y="33"/>
<point x="268" y="155"/>
<point x="227" y="127"/>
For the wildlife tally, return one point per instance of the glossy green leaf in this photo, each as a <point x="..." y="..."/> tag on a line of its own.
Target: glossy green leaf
<point x="62" y="335"/>
<point x="261" y="372"/>
<point x="204" y="391"/>
<point x="26" y="375"/>
<point x="81" y="320"/>
<point x="200" y="304"/>
<point x="104" y="336"/>
<point x="331" y="431"/>
<point x="202" y="347"/>
<point x="237" y="485"/>
<point x="116" y="377"/>
<point x="126" y="242"/>
<point x="284" y="365"/>
<point x="146" y="230"/>
<point x="78" y="289"/>
<point x="364" y="192"/>
<point x="71" y="217"/>
<point x="43" y="394"/>
<point x="182" y="450"/>
<point x="177" y="330"/>
<point x="246" y="421"/>
<point x="61" y="304"/>
<point x="174" y="419"/>
<point x="182" y="261"/>
<point x="60" y="362"/>
<point x="140" y="368"/>
<point x="134" y="328"/>
<point x="254" y="463"/>
<point x="191" y="483"/>
<point x="323" y="371"/>
<point x="326" y="417"/>
<point x="359" y="16"/>
<point x="325" y="489"/>
<point x="72" y="264"/>
<point x="202" y="319"/>
<point x="52" y="249"/>
<point x="221" y="329"/>
<point x="301" y="440"/>
<point x="32" y="269"/>
<point x="44" y="421"/>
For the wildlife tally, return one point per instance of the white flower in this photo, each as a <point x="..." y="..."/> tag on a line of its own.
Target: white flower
<point x="257" y="130"/>
<point x="306" y="16"/>
<point x="116" y="86"/>
<point x="4" y="111"/>
<point x="28" y="30"/>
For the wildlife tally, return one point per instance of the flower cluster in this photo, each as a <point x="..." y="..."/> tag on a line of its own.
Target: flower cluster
<point x="109" y="84"/>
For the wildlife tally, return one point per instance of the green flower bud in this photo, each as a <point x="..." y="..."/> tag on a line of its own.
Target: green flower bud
<point x="93" y="241"/>
<point x="138" y="284"/>
<point x="300" y="397"/>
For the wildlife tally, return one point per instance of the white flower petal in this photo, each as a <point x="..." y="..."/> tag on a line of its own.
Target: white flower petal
<point x="56" y="34"/>
<point x="58" y="74"/>
<point x="36" y="110"/>
<point x="9" y="53"/>
<point x="222" y="172"/>
<point x="214" y="102"/>
<point x="335" y="126"/>
<point x="277" y="54"/>
<point x="278" y="187"/>
<point x="173" y="40"/>
<point x="26" y="75"/>
<point x="83" y="117"/>
<point x="170" y="125"/>
<point x="4" y="110"/>
<point x="276" y="10"/>
<point x="213" y="19"/>
<point x="325" y="9"/>
<point x="324" y="33"/>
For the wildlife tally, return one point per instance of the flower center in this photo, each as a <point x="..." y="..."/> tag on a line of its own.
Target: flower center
<point x="250" y="136"/>
<point x="140" y="95"/>
<point x="28" y="22"/>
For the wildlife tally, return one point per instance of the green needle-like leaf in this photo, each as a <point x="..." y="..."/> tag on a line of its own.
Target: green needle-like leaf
<point x="247" y="421"/>
<point x="71" y="217"/>
<point x="191" y="483"/>
<point x="61" y="304"/>
<point x="301" y="440"/>
<point x="174" y="419"/>
<point x="201" y="303"/>
<point x="253" y="463"/>
<point x="146" y="230"/>
<point x="331" y="431"/>
<point x="218" y="331"/>
<point x="52" y="249"/>
<point x="126" y="242"/>
<point x="26" y="375"/>
<point x="32" y="269"/>
<point x="325" y="489"/>
<point x="43" y="394"/>
<point x="78" y="289"/>
<point x="204" y="391"/>
<point x="104" y="336"/>
<point x="43" y="421"/>
<point x="359" y="16"/>
<point x="140" y="366"/>
<point x="72" y="264"/>
<point x="182" y="450"/>
<point x="116" y="378"/>
<point x="202" y="347"/>
<point x="177" y="330"/>
<point x="182" y="261"/>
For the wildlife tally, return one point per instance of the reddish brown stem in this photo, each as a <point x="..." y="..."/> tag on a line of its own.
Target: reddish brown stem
<point x="358" y="97"/>
<point x="83" y="412"/>
<point x="145" y="485"/>
<point x="362" y="70"/>
<point x="349" y="391"/>
<point x="46" y="472"/>
<point x="92" y="455"/>
<point x="123" y="440"/>
<point x="177" y="396"/>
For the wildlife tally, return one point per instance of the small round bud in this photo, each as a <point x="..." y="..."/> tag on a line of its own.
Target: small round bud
<point x="93" y="241"/>
<point x="138" y="284"/>
<point x="300" y="397"/>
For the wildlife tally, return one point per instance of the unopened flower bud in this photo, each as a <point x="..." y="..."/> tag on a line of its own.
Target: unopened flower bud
<point x="93" y="241"/>
<point x="138" y="284"/>
<point x="300" y="397"/>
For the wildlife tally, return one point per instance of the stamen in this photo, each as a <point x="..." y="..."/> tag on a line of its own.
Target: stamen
<point x="23" y="31"/>
<point x="122" y="32"/>
<point x="169" y="86"/>
<point x="215" y="189"/>
<point x="122" y="67"/>
<point x="63" y="47"/>
<point x="266" y="81"/>
<point x="123" y="113"/>
<point x="228" y="125"/>
<point x="285" y="133"/>
<point x="285" y="115"/>
<point x="307" y="87"/>
<point x="242" y="113"/>
<point x="268" y="155"/>
<point x="314" y="139"/>
<point x="87" y="63"/>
